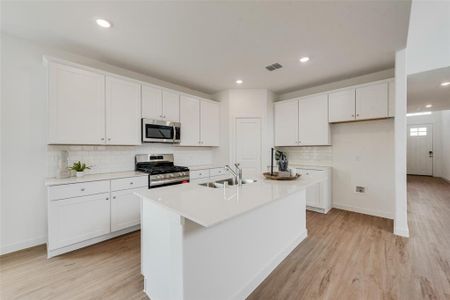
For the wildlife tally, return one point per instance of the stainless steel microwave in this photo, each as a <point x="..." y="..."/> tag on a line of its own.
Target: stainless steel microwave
<point x="157" y="131"/>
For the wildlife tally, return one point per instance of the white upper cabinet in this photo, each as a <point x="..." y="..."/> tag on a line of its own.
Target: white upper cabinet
<point x="160" y="104"/>
<point x="209" y="123"/>
<point x="199" y="122"/>
<point x="76" y="105"/>
<point x="365" y="102"/>
<point x="372" y="101"/>
<point x="152" y="107"/>
<point x="123" y="111"/>
<point x="171" y="106"/>
<point x="391" y="106"/>
<point x="190" y="121"/>
<point x="313" y="126"/>
<point x="286" y="123"/>
<point x="341" y="106"/>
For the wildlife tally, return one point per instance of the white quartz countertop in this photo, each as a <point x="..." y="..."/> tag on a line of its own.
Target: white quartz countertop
<point x="93" y="177"/>
<point x="210" y="206"/>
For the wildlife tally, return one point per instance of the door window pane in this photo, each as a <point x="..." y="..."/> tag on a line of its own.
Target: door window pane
<point x="418" y="131"/>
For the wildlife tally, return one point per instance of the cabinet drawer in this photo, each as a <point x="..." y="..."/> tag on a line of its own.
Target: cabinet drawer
<point x="199" y="174"/>
<point x="129" y="183"/>
<point x="78" y="189"/>
<point x="216" y="172"/>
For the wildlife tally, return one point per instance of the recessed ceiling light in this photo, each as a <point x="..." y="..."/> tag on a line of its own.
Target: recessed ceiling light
<point x="428" y="105"/>
<point x="304" y="59"/>
<point x="103" y="23"/>
<point x="239" y="81"/>
<point x="445" y="83"/>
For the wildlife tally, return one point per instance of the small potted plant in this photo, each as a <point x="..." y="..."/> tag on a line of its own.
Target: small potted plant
<point x="79" y="168"/>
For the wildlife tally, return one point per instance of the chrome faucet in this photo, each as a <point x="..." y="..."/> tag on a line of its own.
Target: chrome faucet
<point x="237" y="174"/>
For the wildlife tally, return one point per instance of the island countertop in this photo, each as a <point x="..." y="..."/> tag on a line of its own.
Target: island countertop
<point x="210" y="206"/>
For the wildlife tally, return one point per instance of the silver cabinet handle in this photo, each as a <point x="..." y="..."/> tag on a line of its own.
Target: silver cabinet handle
<point x="107" y="198"/>
<point x="83" y="189"/>
<point x="353" y="115"/>
<point x="114" y="197"/>
<point x="357" y="115"/>
<point x="132" y="182"/>
<point x="109" y="139"/>
<point x="102" y="139"/>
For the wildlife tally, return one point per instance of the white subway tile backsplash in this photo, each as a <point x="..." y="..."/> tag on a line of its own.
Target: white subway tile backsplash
<point x="309" y="155"/>
<point x="104" y="159"/>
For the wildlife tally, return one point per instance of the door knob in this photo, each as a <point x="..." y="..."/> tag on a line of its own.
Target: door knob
<point x="430" y="153"/>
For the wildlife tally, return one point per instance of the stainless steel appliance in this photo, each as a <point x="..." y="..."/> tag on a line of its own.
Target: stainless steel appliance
<point x="161" y="170"/>
<point x="156" y="131"/>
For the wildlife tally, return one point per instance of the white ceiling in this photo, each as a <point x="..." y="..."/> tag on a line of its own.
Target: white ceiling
<point x="425" y="88"/>
<point x="208" y="45"/>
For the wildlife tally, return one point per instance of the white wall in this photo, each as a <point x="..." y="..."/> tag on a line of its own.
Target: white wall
<point x="435" y="120"/>
<point x="428" y="41"/>
<point x="363" y="155"/>
<point x="445" y="143"/>
<point x="246" y="103"/>
<point x="26" y="160"/>
<point x="401" y="205"/>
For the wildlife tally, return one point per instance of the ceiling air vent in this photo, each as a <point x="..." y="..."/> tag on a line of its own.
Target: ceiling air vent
<point x="274" y="67"/>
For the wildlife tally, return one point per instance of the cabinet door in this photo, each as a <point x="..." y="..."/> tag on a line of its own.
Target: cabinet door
<point x="286" y="123"/>
<point x="313" y="195"/>
<point x="372" y="101"/>
<point x="171" y="106"/>
<point x="391" y="106"/>
<point x="123" y="111"/>
<point x="125" y="209"/>
<point x="313" y="126"/>
<point x="152" y="103"/>
<point x="209" y="123"/>
<point x="190" y="121"/>
<point x="78" y="219"/>
<point x="76" y="106"/>
<point x="341" y="106"/>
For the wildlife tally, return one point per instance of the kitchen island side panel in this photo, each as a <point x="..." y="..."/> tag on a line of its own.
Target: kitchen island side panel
<point x="229" y="260"/>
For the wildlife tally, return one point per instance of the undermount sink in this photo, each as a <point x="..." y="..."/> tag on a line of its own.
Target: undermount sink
<point x="221" y="183"/>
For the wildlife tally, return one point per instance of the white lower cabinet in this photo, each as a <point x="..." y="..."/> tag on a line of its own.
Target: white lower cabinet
<point x="78" y="219"/>
<point x="125" y="209"/>
<point x="318" y="196"/>
<point x="82" y="214"/>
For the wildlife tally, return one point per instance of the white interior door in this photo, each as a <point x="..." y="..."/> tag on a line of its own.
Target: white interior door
<point x="248" y="146"/>
<point x="420" y="149"/>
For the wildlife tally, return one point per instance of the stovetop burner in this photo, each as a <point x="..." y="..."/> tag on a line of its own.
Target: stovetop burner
<point x="153" y="170"/>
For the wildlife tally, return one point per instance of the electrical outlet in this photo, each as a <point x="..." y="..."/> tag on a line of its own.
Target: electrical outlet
<point x="360" y="189"/>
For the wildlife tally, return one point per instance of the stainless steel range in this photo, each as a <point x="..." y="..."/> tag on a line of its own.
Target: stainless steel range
<point x="161" y="170"/>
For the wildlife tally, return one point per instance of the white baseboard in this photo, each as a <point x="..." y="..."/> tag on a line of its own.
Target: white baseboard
<point x="55" y="252"/>
<point x="364" y="211"/>
<point x="256" y="281"/>
<point x="5" y="249"/>
<point x="404" y="232"/>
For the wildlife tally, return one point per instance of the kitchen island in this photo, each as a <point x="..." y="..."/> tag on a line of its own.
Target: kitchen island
<point x="202" y="243"/>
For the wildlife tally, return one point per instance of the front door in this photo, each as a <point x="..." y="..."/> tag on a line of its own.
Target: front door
<point x="248" y="146"/>
<point x="420" y="149"/>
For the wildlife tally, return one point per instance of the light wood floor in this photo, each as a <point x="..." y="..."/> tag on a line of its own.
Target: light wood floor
<point x="346" y="256"/>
